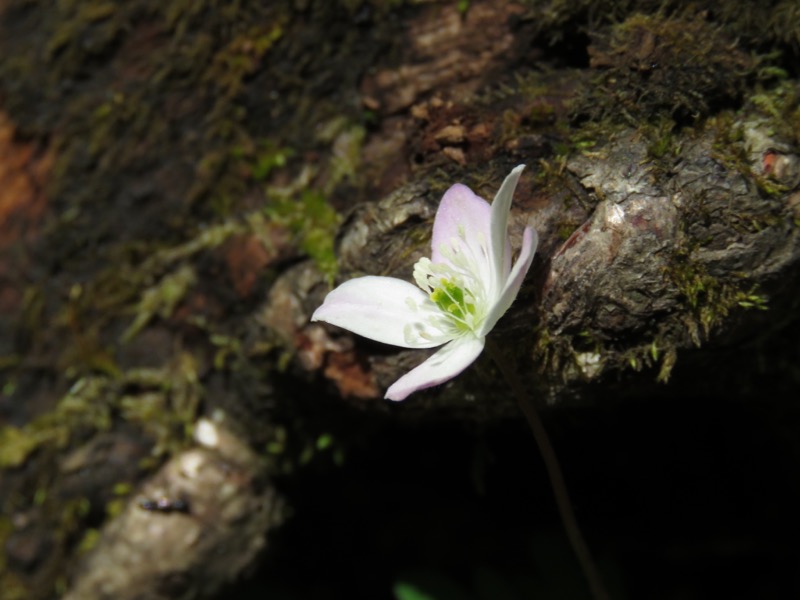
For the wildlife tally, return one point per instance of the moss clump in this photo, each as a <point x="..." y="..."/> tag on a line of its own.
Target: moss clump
<point x="559" y="20"/>
<point x="56" y="447"/>
<point x="681" y="67"/>
<point x="175" y="125"/>
<point x="161" y="299"/>
<point x="162" y="402"/>
<point x="710" y="299"/>
<point x="775" y="22"/>
<point x="84" y="406"/>
<point x="780" y="105"/>
<point x="303" y="210"/>
<point x="311" y="220"/>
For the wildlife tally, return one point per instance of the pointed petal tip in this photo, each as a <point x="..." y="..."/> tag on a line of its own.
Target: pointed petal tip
<point x="397" y="396"/>
<point x="530" y="242"/>
<point x="446" y="363"/>
<point x="459" y="187"/>
<point x="320" y="313"/>
<point x="500" y="248"/>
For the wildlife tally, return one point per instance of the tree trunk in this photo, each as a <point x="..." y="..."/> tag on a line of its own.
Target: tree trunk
<point x="182" y="183"/>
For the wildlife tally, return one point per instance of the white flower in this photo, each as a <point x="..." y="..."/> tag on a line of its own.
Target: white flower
<point x="464" y="289"/>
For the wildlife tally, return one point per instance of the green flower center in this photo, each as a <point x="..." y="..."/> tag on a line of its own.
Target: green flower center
<point x="460" y="306"/>
<point x="454" y="292"/>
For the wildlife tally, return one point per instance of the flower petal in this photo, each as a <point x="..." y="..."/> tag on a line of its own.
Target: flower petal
<point x="462" y="224"/>
<point x="530" y="239"/>
<point x="500" y="248"/>
<point x="386" y="310"/>
<point x="442" y="366"/>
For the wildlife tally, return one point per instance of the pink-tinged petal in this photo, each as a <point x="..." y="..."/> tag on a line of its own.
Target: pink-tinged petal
<point x="462" y="224"/>
<point x="500" y="248"/>
<point x="387" y="310"/>
<point x="530" y="239"/>
<point x="442" y="366"/>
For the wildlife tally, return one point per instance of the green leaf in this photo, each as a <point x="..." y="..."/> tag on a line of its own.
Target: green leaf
<point x="429" y="585"/>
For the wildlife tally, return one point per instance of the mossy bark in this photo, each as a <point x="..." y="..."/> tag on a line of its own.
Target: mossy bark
<point x="182" y="182"/>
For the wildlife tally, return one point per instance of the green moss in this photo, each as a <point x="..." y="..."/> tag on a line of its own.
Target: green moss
<point x="565" y="230"/>
<point x="775" y="23"/>
<point x="709" y="299"/>
<point x="554" y="353"/>
<point x="161" y="299"/>
<point x="239" y="58"/>
<point x="588" y="136"/>
<point x="664" y="143"/>
<point x="264" y="158"/>
<point x="13" y="586"/>
<point x="751" y="299"/>
<point x="780" y="105"/>
<point x="300" y="208"/>
<point x="667" y="364"/>
<point x="85" y="405"/>
<point x="314" y="223"/>
<point x="152" y="289"/>
<point x="731" y="149"/>
<point x="162" y="402"/>
<point x="558" y="19"/>
<point x="303" y="441"/>
<point x="88" y="541"/>
<point x="657" y="66"/>
<point x="659" y="354"/>
<point x="16" y="445"/>
<point x="345" y="162"/>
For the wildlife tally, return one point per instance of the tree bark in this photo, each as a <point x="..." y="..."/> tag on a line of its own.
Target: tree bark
<point x="181" y="185"/>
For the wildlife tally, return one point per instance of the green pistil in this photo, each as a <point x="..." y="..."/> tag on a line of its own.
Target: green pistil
<point x="449" y="297"/>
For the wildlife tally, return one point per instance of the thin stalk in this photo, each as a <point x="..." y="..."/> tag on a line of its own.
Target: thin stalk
<point x="553" y="471"/>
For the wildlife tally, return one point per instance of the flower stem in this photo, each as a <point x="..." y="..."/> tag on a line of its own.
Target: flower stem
<point x="553" y="471"/>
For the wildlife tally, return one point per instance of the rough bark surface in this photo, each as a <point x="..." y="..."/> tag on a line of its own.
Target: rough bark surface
<point x="663" y="262"/>
<point x="181" y="183"/>
<point x="193" y="528"/>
